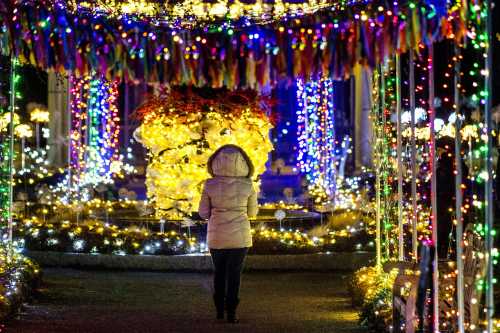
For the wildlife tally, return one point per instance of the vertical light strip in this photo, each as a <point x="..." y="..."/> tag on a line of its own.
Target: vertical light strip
<point x="79" y="89"/>
<point x="330" y="168"/>
<point x="401" y="254"/>
<point x="434" y="221"/>
<point x="377" y="77"/>
<point x="313" y="130"/>
<point x="69" y="88"/>
<point x="316" y="134"/>
<point x="13" y="79"/>
<point x="490" y="301"/>
<point x="301" y="127"/>
<point x="384" y="157"/>
<point x="414" y="220"/>
<point x="95" y="131"/>
<point x="458" y="197"/>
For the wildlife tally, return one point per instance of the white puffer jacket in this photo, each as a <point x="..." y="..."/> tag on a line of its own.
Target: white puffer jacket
<point x="228" y="199"/>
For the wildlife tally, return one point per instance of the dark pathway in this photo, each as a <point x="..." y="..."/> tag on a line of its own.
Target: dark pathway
<point x="89" y="301"/>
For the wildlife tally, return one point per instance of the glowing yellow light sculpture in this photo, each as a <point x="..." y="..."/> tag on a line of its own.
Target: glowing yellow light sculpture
<point x="180" y="143"/>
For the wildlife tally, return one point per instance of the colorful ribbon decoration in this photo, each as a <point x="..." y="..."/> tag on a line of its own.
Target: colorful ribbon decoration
<point x="50" y="36"/>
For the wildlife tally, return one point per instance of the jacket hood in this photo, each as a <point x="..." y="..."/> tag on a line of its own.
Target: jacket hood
<point x="230" y="161"/>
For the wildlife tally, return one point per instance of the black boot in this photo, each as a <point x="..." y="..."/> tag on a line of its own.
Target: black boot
<point x="231" y="306"/>
<point x="219" y="306"/>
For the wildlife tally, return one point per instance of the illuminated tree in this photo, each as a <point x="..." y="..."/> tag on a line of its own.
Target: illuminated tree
<point x="182" y="129"/>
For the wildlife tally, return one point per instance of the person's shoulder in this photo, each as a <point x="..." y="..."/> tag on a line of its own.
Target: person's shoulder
<point x="245" y="180"/>
<point x="245" y="183"/>
<point x="209" y="181"/>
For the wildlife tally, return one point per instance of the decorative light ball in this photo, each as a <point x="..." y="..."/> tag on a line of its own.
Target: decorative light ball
<point x="279" y="214"/>
<point x="23" y="131"/>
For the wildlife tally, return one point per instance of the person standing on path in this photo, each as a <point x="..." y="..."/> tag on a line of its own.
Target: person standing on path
<point x="227" y="201"/>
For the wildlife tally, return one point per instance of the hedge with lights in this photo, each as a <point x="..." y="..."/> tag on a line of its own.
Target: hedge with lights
<point x="182" y="129"/>
<point x="371" y="291"/>
<point x="19" y="278"/>
<point x="96" y="237"/>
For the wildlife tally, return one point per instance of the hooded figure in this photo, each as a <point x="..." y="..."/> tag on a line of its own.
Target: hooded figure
<point x="227" y="201"/>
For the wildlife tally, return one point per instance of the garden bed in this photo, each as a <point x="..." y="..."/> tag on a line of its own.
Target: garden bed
<point x="95" y="237"/>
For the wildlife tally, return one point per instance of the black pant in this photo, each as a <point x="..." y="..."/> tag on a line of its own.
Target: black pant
<point x="228" y="264"/>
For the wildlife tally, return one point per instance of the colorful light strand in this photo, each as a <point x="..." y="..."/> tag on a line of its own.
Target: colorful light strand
<point x="253" y="56"/>
<point x="477" y="136"/>
<point x="79" y="97"/>
<point x="475" y="155"/>
<point x="95" y="131"/>
<point x="318" y="152"/>
<point x="102" y="130"/>
<point x="14" y="95"/>
<point x="5" y="122"/>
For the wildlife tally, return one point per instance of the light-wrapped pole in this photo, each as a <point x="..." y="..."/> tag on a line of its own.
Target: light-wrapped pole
<point x="401" y="254"/>
<point x="435" y="273"/>
<point x="458" y="197"/>
<point x="13" y="63"/>
<point x="413" y="160"/>
<point x="490" y="301"/>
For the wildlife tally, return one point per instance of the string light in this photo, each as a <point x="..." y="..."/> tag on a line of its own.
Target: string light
<point x="473" y="134"/>
<point x="20" y="275"/>
<point x="198" y="12"/>
<point x="319" y="154"/>
<point x="94" y="134"/>
<point x="102" y="129"/>
<point x="473" y="84"/>
<point x="94" y="150"/>
<point x="5" y="119"/>
<point x="237" y="52"/>
<point x="97" y="237"/>
<point x="371" y="289"/>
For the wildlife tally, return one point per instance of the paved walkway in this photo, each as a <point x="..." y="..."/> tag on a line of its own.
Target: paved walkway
<point x="108" y="302"/>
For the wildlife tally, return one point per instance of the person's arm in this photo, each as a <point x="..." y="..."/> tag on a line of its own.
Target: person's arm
<point x="205" y="207"/>
<point x="252" y="206"/>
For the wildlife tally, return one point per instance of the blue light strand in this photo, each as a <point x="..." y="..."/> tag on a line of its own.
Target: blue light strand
<point x="102" y="132"/>
<point x="317" y="158"/>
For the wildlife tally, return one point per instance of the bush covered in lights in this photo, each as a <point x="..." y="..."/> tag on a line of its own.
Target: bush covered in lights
<point x="100" y="238"/>
<point x="19" y="277"/>
<point x="182" y="129"/>
<point x="269" y="241"/>
<point x="371" y="290"/>
<point x="96" y="237"/>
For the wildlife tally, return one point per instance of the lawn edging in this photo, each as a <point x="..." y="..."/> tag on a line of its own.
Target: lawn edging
<point x="341" y="261"/>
